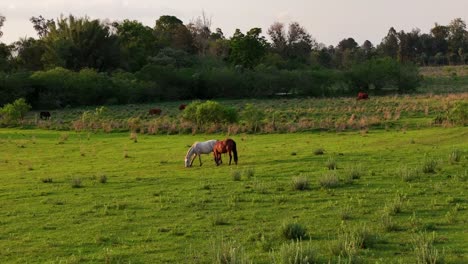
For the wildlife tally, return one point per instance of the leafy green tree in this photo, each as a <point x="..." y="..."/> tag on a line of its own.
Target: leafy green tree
<point x="29" y="52"/>
<point x="296" y="44"/>
<point x="5" y="55"/>
<point x="389" y="45"/>
<point x="171" y="32"/>
<point x="76" y="43"/>
<point x="247" y="50"/>
<point x="15" y="111"/>
<point x="42" y="25"/>
<point x="137" y="44"/>
<point x="200" y="29"/>
<point x="457" y="38"/>
<point x="2" y="22"/>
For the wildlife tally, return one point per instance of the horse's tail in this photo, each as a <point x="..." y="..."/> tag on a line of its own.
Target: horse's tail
<point x="234" y="149"/>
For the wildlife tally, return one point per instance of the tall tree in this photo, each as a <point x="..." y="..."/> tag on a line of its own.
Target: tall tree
<point x="457" y="39"/>
<point x="41" y="25"/>
<point x="247" y="50"/>
<point x="171" y="32"/>
<point x="200" y="28"/>
<point x="278" y="36"/>
<point x="29" y="52"/>
<point x="389" y="45"/>
<point x="2" y="22"/>
<point x="77" y="43"/>
<point x="137" y="44"/>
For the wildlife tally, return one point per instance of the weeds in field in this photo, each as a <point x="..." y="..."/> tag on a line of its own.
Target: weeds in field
<point x="386" y="222"/>
<point x="63" y="138"/>
<point x="229" y="253"/>
<point x="293" y="231"/>
<point x="236" y="175"/>
<point x="46" y="180"/>
<point x="345" y="212"/>
<point x="455" y="156"/>
<point x="429" y="165"/>
<point x="329" y="180"/>
<point x="331" y="163"/>
<point x="319" y="151"/>
<point x="425" y="252"/>
<point x="249" y="173"/>
<point x="355" y="172"/>
<point x="294" y="252"/>
<point x="407" y="174"/>
<point x="219" y="220"/>
<point x="452" y="215"/>
<point x="76" y="183"/>
<point x="300" y="183"/>
<point x="134" y="137"/>
<point x="350" y="240"/>
<point x="103" y="179"/>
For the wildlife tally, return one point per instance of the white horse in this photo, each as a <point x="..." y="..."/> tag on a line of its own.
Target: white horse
<point x="197" y="149"/>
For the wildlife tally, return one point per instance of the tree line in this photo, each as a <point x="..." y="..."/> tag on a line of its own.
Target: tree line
<point x="83" y="61"/>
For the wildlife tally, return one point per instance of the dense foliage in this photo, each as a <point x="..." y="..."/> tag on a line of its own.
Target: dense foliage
<point x="82" y="61"/>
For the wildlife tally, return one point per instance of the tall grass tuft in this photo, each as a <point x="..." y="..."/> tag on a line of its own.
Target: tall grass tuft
<point x="350" y="240"/>
<point x="76" y="183"/>
<point x="407" y="174"/>
<point x="229" y="253"/>
<point x="455" y="156"/>
<point x="293" y="231"/>
<point x="236" y="175"/>
<point x="319" y="151"/>
<point x="429" y="165"/>
<point x="425" y="252"/>
<point x="295" y="252"/>
<point x="249" y="173"/>
<point x="331" y="163"/>
<point x="329" y="180"/>
<point x="355" y="172"/>
<point x="300" y="183"/>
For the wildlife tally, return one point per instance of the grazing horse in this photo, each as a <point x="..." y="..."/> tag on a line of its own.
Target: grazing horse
<point x="44" y="115"/>
<point x="182" y="107"/>
<point x="362" y="96"/>
<point x="154" y="111"/>
<point x="197" y="149"/>
<point x="225" y="146"/>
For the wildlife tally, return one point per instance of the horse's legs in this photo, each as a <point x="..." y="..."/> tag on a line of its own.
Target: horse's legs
<point x="194" y="157"/>
<point x="230" y="157"/>
<point x="199" y="158"/>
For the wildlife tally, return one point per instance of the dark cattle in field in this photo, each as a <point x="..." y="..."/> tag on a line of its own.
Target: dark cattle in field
<point x="182" y="107"/>
<point x="154" y="111"/>
<point x="44" y="115"/>
<point x="362" y="96"/>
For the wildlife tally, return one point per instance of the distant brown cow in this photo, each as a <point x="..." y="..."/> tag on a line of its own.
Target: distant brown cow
<point x="362" y="96"/>
<point x="182" y="107"/>
<point x="154" y="111"/>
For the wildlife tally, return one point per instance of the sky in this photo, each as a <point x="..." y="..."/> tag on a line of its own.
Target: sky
<point x="328" y="21"/>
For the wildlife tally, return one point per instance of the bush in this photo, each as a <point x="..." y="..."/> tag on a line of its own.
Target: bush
<point x="423" y="245"/>
<point x="429" y="165"/>
<point x="459" y="113"/>
<point x="329" y="180"/>
<point x="295" y="252"/>
<point x="455" y="156"/>
<point x="293" y="231"/>
<point x="253" y="116"/>
<point x="300" y="183"/>
<point x="209" y="112"/>
<point x="15" y="111"/>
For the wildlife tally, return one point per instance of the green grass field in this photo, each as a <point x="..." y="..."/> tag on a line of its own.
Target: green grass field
<point x="71" y="197"/>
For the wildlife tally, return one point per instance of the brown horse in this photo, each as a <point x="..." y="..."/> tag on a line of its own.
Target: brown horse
<point x="224" y="146"/>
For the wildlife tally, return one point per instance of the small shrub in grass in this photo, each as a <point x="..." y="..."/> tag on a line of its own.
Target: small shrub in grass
<point x="329" y="180"/>
<point x="46" y="180"/>
<point x="424" y="250"/>
<point x="455" y="156"/>
<point x="429" y="165"/>
<point x="229" y="253"/>
<point x="407" y="174"/>
<point x="249" y="173"/>
<point x="295" y="252"/>
<point x="300" y="183"/>
<point x="219" y="220"/>
<point x="345" y="213"/>
<point x="451" y="216"/>
<point x="395" y="206"/>
<point x="331" y="163"/>
<point x="350" y="240"/>
<point x="76" y="183"/>
<point x="293" y="231"/>
<point x="355" y="172"/>
<point x="236" y="175"/>
<point x="103" y="179"/>
<point x="63" y="138"/>
<point x="387" y="223"/>
<point x="319" y="151"/>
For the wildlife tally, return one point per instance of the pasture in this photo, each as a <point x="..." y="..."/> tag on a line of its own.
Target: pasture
<point x="70" y="197"/>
